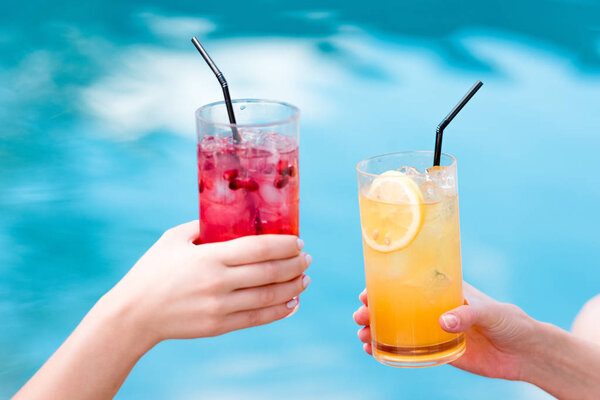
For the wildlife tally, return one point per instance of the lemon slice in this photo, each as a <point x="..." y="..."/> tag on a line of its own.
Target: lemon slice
<point x="392" y="212"/>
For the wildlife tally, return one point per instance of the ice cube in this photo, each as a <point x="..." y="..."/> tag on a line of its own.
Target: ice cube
<point x="252" y="136"/>
<point x="281" y="143"/>
<point x="444" y="179"/>
<point x="437" y="279"/>
<point x="430" y="279"/>
<point x="449" y="184"/>
<point x="449" y="207"/>
<point x="223" y="194"/>
<point x="440" y="277"/>
<point x="410" y="171"/>
<point x="431" y="192"/>
<point x="413" y="173"/>
<point x="270" y="194"/>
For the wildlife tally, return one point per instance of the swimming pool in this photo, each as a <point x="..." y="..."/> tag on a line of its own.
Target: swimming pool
<point x="97" y="158"/>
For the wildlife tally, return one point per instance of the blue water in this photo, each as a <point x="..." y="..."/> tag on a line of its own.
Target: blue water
<point x="97" y="159"/>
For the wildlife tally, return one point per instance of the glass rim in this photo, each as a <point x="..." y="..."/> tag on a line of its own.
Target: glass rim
<point x="295" y="115"/>
<point x="397" y="153"/>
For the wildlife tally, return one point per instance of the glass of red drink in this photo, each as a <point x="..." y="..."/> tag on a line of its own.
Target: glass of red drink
<point x="250" y="187"/>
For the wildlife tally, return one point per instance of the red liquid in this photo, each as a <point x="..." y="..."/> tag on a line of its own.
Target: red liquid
<point x="247" y="189"/>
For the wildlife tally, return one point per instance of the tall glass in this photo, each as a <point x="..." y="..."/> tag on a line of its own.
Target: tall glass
<point x="411" y="246"/>
<point x="251" y="187"/>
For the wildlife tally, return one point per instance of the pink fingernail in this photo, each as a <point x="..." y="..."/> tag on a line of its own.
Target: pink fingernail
<point x="300" y="244"/>
<point x="366" y="347"/>
<point x="308" y="258"/>
<point x="450" y="321"/>
<point x="305" y="281"/>
<point x="292" y="303"/>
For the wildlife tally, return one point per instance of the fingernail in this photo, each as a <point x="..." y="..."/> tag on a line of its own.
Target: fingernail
<point x="450" y="321"/>
<point x="366" y="348"/>
<point x="308" y="258"/>
<point x="300" y="244"/>
<point x="292" y="303"/>
<point x="305" y="281"/>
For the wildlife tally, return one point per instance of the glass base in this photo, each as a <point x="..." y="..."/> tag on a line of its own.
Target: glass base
<point x="417" y="357"/>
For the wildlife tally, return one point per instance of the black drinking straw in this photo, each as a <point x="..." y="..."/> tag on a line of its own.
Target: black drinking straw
<point x="236" y="135"/>
<point x="440" y="129"/>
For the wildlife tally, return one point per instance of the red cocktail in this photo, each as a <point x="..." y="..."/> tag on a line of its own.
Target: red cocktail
<point x="251" y="187"/>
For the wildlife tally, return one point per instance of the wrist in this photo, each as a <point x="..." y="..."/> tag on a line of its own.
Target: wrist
<point x="562" y="364"/>
<point x="120" y="316"/>
<point x="541" y="353"/>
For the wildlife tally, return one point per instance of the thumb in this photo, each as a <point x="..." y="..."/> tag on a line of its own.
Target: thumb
<point x="462" y="318"/>
<point x="188" y="231"/>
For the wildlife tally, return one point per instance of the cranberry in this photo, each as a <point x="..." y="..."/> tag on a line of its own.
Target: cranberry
<point x="250" y="184"/>
<point x="235" y="184"/>
<point x="281" y="166"/>
<point x="201" y="186"/>
<point x="291" y="170"/>
<point x="246" y="183"/>
<point x="281" y="181"/>
<point x="230" y="174"/>
<point x="285" y="168"/>
<point x="208" y="165"/>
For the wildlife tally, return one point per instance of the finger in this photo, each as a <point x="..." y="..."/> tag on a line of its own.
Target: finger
<point x="254" y="249"/>
<point x="261" y="316"/>
<point x="458" y="320"/>
<point x="187" y="232"/>
<point x="368" y="349"/>
<point x="265" y="296"/>
<point x="363" y="297"/>
<point x="260" y="274"/>
<point x="462" y="318"/>
<point x="294" y="304"/>
<point x="364" y="334"/>
<point x="361" y="316"/>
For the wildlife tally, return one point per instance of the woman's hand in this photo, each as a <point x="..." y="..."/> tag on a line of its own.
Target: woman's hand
<point x="176" y="290"/>
<point x="504" y="342"/>
<point x="499" y="336"/>
<point x="180" y="290"/>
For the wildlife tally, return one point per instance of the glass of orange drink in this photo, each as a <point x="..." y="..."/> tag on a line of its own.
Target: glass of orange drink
<point x="411" y="246"/>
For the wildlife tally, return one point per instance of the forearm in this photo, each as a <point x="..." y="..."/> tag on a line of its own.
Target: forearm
<point x="96" y="358"/>
<point x="564" y="365"/>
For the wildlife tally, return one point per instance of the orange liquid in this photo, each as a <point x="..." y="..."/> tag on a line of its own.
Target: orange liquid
<point x="410" y="288"/>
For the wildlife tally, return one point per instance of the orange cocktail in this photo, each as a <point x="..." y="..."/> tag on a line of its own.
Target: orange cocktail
<point x="411" y="242"/>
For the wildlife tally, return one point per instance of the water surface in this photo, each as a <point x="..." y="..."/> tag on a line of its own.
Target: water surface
<point x="97" y="158"/>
